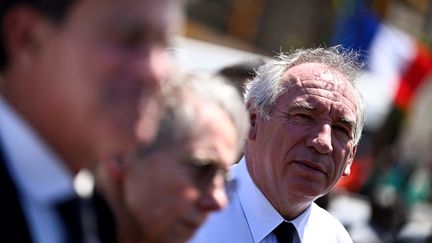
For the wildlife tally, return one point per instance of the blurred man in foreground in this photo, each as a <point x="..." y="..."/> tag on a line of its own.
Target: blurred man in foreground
<point x="170" y="187"/>
<point x="73" y="74"/>
<point x="306" y="119"/>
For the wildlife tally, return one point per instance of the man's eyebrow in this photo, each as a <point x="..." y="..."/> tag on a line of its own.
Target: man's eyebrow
<point x="200" y="162"/>
<point x="205" y="164"/>
<point x="348" y="122"/>
<point x="299" y="106"/>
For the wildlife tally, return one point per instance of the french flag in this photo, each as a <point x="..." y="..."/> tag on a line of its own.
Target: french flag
<point x="398" y="67"/>
<point x="397" y="64"/>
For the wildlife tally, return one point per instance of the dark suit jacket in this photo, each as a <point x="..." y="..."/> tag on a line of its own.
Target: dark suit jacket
<point x="13" y="224"/>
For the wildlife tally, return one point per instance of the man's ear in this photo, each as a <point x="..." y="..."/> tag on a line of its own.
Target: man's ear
<point x="253" y="121"/>
<point x="22" y="33"/>
<point x="347" y="170"/>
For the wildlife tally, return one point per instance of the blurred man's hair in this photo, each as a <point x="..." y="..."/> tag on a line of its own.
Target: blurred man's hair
<point x="54" y="10"/>
<point x="179" y="111"/>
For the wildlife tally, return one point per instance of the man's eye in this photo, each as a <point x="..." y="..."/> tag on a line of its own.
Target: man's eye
<point x="129" y="40"/>
<point x="200" y="168"/>
<point x="204" y="172"/>
<point x="343" y="130"/>
<point x="302" y="116"/>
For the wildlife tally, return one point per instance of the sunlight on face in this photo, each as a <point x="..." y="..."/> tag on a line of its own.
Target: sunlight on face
<point x="307" y="144"/>
<point x="184" y="181"/>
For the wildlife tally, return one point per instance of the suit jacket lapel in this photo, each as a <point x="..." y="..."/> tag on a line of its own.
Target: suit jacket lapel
<point x="13" y="225"/>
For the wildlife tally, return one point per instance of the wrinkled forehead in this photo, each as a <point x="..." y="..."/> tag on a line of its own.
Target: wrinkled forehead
<point x="321" y="80"/>
<point x="317" y="72"/>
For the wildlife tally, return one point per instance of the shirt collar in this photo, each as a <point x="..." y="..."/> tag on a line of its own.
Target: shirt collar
<point x="300" y="222"/>
<point x="262" y="217"/>
<point x="39" y="173"/>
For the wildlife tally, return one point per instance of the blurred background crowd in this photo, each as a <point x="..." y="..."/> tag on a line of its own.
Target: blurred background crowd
<point x="388" y="194"/>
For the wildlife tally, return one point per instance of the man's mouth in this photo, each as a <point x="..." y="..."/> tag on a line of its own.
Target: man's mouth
<point x="192" y="224"/>
<point x="310" y="166"/>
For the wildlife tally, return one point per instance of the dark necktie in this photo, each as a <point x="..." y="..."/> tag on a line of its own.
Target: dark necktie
<point x="285" y="232"/>
<point x="106" y="227"/>
<point x="70" y="215"/>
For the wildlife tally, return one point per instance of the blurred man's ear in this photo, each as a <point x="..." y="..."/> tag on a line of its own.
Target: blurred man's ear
<point x="23" y="29"/>
<point x="347" y="170"/>
<point x="252" y="118"/>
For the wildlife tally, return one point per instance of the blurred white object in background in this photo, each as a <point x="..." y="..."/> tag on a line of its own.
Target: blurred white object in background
<point x="204" y="56"/>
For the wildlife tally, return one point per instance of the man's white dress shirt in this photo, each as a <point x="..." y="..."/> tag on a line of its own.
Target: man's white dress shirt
<point x="39" y="175"/>
<point x="250" y="217"/>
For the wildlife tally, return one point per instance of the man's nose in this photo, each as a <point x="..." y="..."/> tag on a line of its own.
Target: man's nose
<point x="214" y="197"/>
<point x="151" y="65"/>
<point x="320" y="139"/>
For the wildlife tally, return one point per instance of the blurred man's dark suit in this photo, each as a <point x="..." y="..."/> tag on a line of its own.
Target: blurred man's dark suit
<point x="13" y="227"/>
<point x="34" y="187"/>
<point x="13" y="224"/>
